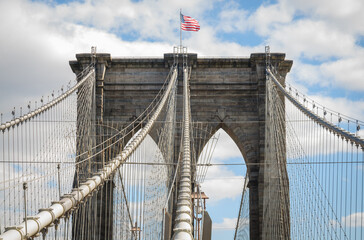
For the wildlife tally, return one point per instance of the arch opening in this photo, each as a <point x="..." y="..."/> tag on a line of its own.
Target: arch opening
<point x="223" y="183"/>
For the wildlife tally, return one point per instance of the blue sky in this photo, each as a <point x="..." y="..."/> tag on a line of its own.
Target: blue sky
<point x="325" y="40"/>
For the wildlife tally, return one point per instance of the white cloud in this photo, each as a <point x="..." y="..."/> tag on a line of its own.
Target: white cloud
<point x="311" y="39"/>
<point x="361" y="134"/>
<point x="221" y="183"/>
<point x="39" y="44"/>
<point x="268" y="17"/>
<point x="228" y="223"/>
<point x="353" y="220"/>
<point x="39" y="39"/>
<point x="306" y="74"/>
<point x="147" y="19"/>
<point x="345" y="15"/>
<point x="344" y="106"/>
<point x="55" y="33"/>
<point x="325" y="32"/>
<point x="346" y="72"/>
<point x="233" y="19"/>
<point x="206" y="43"/>
<point x="225" y="148"/>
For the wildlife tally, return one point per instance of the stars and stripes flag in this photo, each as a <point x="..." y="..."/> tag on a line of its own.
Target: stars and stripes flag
<point x="189" y="24"/>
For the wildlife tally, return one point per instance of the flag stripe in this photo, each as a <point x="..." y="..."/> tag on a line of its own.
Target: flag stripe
<point x="189" y="24"/>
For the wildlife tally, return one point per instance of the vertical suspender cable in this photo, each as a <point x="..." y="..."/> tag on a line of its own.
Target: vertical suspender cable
<point x="59" y="209"/>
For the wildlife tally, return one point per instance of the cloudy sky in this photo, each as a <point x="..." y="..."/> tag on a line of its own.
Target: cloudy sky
<point x="325" y="39"/>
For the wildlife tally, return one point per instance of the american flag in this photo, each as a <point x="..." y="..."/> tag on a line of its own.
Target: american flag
<point x="189" y="24"/>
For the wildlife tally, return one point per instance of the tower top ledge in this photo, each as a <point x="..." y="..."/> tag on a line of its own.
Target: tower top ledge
<point x="277" y="59"/>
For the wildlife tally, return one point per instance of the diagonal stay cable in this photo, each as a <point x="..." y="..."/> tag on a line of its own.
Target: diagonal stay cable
<point x="126" y="200"/>
<point x="144" y="116"/>
<point x="47" y="216"/>
<point x="303" y="154"/>
<point x="246" y="181"/>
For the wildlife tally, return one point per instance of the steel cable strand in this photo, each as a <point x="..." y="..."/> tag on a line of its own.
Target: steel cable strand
<point x="280" y="138"/>
<point x="287" y="130"/>
<point x="83" y="84"/>
<point x="38" y="121"/>
<point x="267" y="221"/>
<point x="278" y="120"/>
<point x="316" y="178"/>
<point x="182" y="227"/>
<point x="281" y="110"/>
<point x="146" y="113"/>
<point x="129" y="131"/>
<point x="81" y="154"/>
<point x="238" y="227"/>
<point x="166" y="146"/>
<point x="59" y="209"/>
<point x="88" y="71"/>
<point x="319" y="189"/>
<point x="336" y="217"/>
<point x="332" y="209"/>
<point x="316" y="118"/>
<point x="324" y="109"/>
<point x="300" y="196"/>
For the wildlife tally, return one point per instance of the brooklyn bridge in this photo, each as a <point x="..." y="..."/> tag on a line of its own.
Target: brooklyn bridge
<point x="122" y="153"/>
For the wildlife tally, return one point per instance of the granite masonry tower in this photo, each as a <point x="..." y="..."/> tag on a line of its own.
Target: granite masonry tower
<point x="227" y="93"/>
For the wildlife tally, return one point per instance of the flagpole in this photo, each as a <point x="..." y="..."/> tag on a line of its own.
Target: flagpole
<point x="180" y="29"/>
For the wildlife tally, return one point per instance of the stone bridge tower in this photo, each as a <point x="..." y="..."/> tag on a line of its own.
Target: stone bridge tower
<point x="226" y="93"/>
